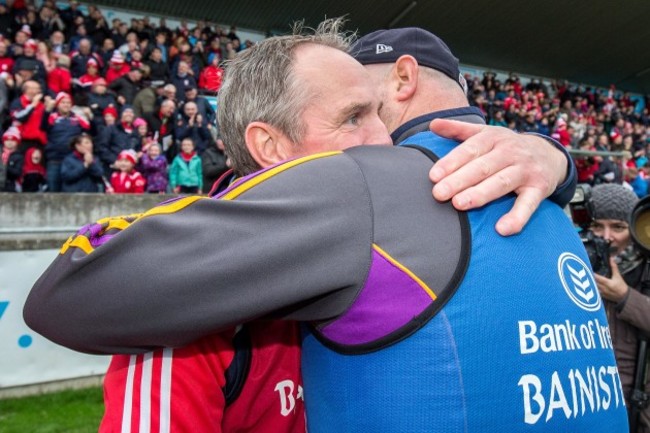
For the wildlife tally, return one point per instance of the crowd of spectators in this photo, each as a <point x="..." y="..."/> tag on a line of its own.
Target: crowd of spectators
<point x="608" y="130"/>
<point x="88" y="105"/>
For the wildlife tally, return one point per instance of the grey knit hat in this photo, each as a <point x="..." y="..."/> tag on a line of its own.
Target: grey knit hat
<point x="613" y="202"/>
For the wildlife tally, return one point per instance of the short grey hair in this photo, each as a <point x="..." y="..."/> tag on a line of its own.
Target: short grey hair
<point x="260" y="85"/>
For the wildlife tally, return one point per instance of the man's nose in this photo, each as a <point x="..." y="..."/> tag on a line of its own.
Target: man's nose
<point x="379" y="134"/>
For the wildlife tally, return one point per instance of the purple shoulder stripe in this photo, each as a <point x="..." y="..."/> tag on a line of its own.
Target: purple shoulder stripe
<point x="389" y="300"/>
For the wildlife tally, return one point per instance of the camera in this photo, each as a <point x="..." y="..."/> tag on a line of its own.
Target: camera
<point x="640" y="226"/>
<point x="582" y="213"/>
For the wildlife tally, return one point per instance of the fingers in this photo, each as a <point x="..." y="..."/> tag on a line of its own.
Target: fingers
<point x="493" y="174"/>
<point x="494" y="187"/>
<point x="614" y="266"/>
<point x="454" y="129"/>
<point x="515" y="220"/>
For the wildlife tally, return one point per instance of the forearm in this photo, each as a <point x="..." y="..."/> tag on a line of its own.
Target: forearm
<point x="198" y="265"/>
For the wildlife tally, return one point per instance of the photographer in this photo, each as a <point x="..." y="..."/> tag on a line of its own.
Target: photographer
<point x="628" y="311"/>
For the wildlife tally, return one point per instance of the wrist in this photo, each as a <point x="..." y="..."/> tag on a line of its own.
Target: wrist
<point x="560" y="157"/>
<point x="621" y="302"/>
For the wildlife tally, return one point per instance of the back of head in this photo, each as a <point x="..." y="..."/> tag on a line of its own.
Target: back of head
<point x="386" y="46"/>
<point x="260" y="85"/>
<point x="613" y="202"/>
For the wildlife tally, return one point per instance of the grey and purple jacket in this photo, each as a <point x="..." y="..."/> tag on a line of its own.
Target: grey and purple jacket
<point x="420" y="318"/>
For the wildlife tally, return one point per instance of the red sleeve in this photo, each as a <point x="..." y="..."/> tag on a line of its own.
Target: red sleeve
<point x="115" y="182"/>
<point x="139" y="184"/>
<point x="83" y="122"/>
<point x="176" y="390"/>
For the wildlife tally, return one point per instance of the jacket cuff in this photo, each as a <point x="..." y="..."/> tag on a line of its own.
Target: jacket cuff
<point x="621" y="304"/>
<point x="565" y="191"/>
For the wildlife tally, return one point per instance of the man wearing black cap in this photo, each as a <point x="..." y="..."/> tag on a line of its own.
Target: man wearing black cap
<point x="419" y="81"/>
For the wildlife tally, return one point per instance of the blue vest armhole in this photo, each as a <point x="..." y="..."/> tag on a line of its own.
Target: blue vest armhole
<point x="430" y="312"/>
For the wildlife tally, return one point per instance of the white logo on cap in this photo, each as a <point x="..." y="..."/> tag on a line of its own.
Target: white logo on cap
<point x="381" y="48"/>
<point x="463" y="82"/>
<point x="578" y="282"/>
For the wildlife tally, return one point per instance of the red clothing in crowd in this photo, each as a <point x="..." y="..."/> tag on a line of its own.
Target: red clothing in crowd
<point x="6" y="64"/>
<point x="59" y="80"/>
<point x="564" y="137"/>
<point x="511" y="100"/>
<point x="210" y="78"/>
<point x="30" y="127"/>
<point x="587" y="168"/>
<point x="86" y="81"/>
<point x="113" y="74"/>
<point x="181" y="389"/>
<point x="128" y="183"/>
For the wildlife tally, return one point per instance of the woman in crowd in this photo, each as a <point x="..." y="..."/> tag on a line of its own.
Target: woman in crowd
<point x="81" y="171"/>
<point x="628" y="309"/>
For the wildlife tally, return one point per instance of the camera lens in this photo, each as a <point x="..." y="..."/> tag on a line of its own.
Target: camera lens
<point x="640" y="225"/>
<point x="642" y="228"/>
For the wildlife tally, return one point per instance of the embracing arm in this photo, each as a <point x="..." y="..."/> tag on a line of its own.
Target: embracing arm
<point x="290" y="243"/>
<point x="493" y="161"/>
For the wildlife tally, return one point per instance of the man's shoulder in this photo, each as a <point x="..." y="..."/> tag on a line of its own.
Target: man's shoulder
<point x="351" y="170"/>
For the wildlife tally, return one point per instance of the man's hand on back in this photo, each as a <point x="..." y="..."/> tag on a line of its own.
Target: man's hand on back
<point x="493" y="161"/>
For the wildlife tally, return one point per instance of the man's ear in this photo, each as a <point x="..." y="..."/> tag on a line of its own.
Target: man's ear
<point x="405" y="75"/>
<point x="266" y="144"/>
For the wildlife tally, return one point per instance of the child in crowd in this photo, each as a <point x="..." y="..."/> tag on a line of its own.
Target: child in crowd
<point x="126" y="180"/>
<point x="186" y="174"/>
<point x="12" y="160"/>
<point x="33" y="174"/>
<point x="154" y="167"/>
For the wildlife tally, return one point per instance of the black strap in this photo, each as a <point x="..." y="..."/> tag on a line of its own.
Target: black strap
<point x="237" y="372"/>
<point x="428" y="152"/>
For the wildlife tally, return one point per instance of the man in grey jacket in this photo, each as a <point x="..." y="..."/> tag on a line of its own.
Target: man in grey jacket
<point x="298" y="210"/>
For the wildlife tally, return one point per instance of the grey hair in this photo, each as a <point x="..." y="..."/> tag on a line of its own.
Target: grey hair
<point x="168" y="102"/>
<point x="260" y="85"/>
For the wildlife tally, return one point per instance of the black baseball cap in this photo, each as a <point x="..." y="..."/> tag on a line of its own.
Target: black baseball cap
<point x="386" y="46"/>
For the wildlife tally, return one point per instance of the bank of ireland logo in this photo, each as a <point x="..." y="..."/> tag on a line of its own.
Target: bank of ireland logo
<point x="578" y="282"/>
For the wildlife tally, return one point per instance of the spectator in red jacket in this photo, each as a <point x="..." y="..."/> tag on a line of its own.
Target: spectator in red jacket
<point x="117" y="67"/>
<point x="59" y="79"/>
<point x="27" y="114"/>
<point x="211" y="76"/>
